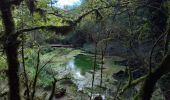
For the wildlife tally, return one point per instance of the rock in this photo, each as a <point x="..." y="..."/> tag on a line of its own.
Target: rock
<point x="60" y="93"/>
<point x="120" y="75"/>
<point x="48" y="87"/>
<point x="133" y="62"/>
<point x="3" y="94"/>
<point x="123" y="74"/>
<point x="98" y="98"/>
<point x="138" y="73"/>
<point x="91" y="72"/>
<point x="123" y="62"/>
<point x="67" y="82"/>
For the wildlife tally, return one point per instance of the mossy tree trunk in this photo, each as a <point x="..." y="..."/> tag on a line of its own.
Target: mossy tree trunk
<point x="158" y="16"/>
<point x="149" y="84"/>
<point x="10" y="46"/>
<point x="158" y="21"/>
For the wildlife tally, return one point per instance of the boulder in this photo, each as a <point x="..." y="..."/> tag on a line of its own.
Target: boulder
<point x="98" y="98"/>
<point x="60" y="93"/>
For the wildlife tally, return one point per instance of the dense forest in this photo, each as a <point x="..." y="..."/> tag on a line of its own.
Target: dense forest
<point x="84" y="50"/>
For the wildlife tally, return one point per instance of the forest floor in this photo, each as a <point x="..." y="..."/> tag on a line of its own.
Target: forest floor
<point x="62" y="63"/>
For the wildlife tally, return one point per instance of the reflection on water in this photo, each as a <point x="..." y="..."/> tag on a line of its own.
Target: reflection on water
<point x="84" y="63"/>
<point x="81" y="63"/>
<point x="79" y="66"/>
<point x="78" y="77"/>
<point x="71" y="65"/>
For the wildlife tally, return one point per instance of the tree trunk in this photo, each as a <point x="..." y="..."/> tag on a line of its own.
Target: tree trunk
<point x="149" y="84"/>
<point x="158" y="16"/>
<point x="11" y="46"/>
<point x="158" y="19"/>
<point x="13" y="79"/>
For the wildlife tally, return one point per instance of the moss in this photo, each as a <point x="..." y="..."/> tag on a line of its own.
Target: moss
<point x="132" y="84"/>
<point x="3" y="63"/>
<point x="149" y="84"/>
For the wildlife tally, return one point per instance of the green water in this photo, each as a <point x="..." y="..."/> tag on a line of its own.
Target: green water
<point x="83" y="63"/>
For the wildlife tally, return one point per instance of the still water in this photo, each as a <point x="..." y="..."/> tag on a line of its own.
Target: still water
<point x="80" y="67"/>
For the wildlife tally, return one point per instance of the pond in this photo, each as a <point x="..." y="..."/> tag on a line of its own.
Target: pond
<point x="80" y="66"/>
<point x="82" y="63"/>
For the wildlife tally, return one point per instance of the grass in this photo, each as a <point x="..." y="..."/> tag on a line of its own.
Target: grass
<point x="56" y="59"/>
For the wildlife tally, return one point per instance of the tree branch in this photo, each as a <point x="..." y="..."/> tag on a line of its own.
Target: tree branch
<point x="79" y="18"/>
<point x="57" y="29"/>
<point x="149" y="84"/>
<point x="84" y="14"/>
<point x="166" y="33"/>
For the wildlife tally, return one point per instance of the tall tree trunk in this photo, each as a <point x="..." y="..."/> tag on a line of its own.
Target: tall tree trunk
<point x="11" y="46"/>
<point x="158" y="16"/>
<point x="158" y="20"/>
<point x="149" y="84"/>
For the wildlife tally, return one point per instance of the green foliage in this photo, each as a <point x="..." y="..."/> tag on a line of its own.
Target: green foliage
<point x="47" y="50"/>
<point x="3" y="64"/>
<point x="53" y="58"/>
<point x="3" y="67"/>
<point x="124" y="22"/>
<point x="45" y="79"/>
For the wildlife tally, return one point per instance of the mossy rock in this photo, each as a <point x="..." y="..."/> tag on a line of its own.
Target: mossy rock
<point x="60" y="93"/>
<point x="67" y="82"/>
<point x="98" y="98"/>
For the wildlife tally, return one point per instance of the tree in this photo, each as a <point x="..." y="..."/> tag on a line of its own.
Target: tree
<point x="11" y="48"/>
<point x="159" y="26"/>
<point x="11" y="42"/>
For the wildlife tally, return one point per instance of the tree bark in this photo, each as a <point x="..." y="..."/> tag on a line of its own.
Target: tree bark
<point x="158" y="16"/>
<point x="158" y="19"/>
<point x="149" y="84"/>
<point x="11" y="46"/>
